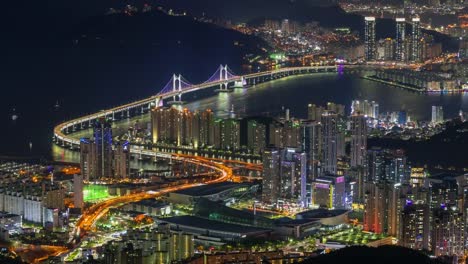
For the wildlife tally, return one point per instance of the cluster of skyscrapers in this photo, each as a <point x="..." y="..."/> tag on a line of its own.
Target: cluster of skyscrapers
<point x="318" y="156"/>
<point x="154" y="246"/>
<point x="198" y="130"/>
<point x="103" y="158"/>
<point x="423" y="213"/>
<point x="174" y="127"/>
<point x="306" y="164"/>
<point x="405" y="48"/>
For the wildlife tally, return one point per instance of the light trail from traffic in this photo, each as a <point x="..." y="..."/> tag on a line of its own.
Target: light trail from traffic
<point x="97" y="211"/>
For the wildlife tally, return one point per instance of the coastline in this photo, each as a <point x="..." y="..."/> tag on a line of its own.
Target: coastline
<point x="411" y="88"/>
<point x="371" y="78"/>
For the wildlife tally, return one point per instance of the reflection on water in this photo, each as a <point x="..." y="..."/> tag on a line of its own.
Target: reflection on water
<point x="67" y="155"/>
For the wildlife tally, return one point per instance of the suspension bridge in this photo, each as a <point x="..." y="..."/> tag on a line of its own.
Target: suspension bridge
<point x="172" y="92"/>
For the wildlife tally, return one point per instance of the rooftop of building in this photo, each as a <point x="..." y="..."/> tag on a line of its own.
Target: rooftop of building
<point x="151" y="203"/>
<point x="205" y="190"/>
<point x="7" y="215"/>
<point x="202" y="223"/>
<point x="447" y="176"/>
<point x="320" y="213"/>
<point x="296" y="222"/>
<point x="30" y="188"/>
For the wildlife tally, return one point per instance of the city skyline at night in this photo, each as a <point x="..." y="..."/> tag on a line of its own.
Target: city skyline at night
<point x="282" y="131"/>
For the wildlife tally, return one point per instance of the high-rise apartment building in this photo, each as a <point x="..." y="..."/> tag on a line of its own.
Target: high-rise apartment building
<point x="358" y="140"/>
<point x="96" y="153"/>
<point x="101" y="158"/>
<point x="312" y="146"/>
<point x="369" y="39"/>
<point x="448" y="235"/>
<point x="414" y="227"/>
<point x="388" y="165"/>
<point x="329" y="191"/>
<point x="256" y="136"/>
<point x="284" y="176"/>
<point x="437" y="114"/>
<point x="314" y="112"/>
<point x="329" y="145"/>
<point x="400" y="54"/>
<point x="416" y="40"/>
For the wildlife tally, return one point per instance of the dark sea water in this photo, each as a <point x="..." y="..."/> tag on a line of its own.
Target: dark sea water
<point x="296" y="92"/>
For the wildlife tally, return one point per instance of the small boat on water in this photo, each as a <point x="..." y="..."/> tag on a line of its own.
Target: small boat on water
<point x="57" y="105"/>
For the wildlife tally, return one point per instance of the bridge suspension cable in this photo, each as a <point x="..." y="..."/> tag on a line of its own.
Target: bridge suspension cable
<point x="176" y="83"/>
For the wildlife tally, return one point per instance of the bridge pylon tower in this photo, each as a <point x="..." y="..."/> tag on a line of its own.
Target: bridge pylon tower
<point x="223" y="78"/>
<point x="177" y="90"/>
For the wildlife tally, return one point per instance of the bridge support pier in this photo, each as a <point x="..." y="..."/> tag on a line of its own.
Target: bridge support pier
<point x="223" y="88"/>
<point x="176" y="100"/>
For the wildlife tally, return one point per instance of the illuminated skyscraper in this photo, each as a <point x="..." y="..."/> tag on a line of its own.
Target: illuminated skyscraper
<point x="369" y="109"/>
<point x="78" y="201"/>
<point x="153" y="246"/>
<point x="271" y="180"/>
<point x="358" y="140"/>
<point x="312" y="146"/>
<point x="414" y="227"/>
<point x="96" y="153"/>
<point x="329" y="191"/>
<point x="185" y="128"/>
<point x="400" y="39"/>
<point x="389" y="49"/>
<point x="207" y="128"/>
<point x="285" y="26"/>
<point x="284" y="176"/>
<point x="121" y="160"/>
<point x="448" y="236"/>
<point x="227" y="134"/>
<point x="293" y="174"/>
<point x="100" y="158"/>
<point x="376" y="206"/>
<point x="416" y="39"/>
<point x="387" y="165"/>
<point x="339" y="109"/>
<point x="437" y="114"/>
<point x="166" y="123"/>
<point x="369" y="38"/>
<point x="329" y="145"/>
<point x="314" y="112"/>
<point x="291" y="133"/>
<point x="103" y="142"/>
<point x="384" y="202"/>
<point x="256" y="136"/>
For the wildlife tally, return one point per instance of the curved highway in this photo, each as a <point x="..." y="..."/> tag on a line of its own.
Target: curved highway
<point x="95" y="212"/>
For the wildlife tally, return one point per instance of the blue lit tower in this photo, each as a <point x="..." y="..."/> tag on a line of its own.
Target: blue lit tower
<point x="103" y="148"/>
